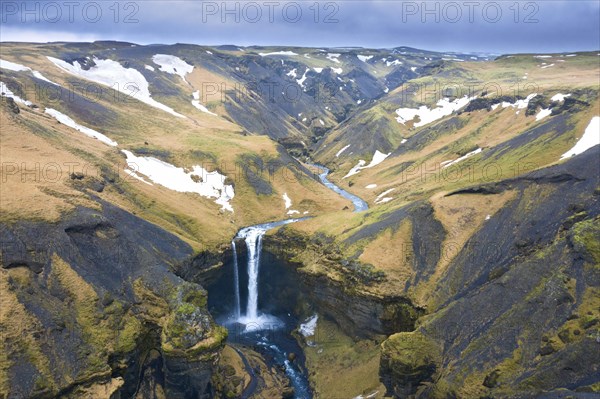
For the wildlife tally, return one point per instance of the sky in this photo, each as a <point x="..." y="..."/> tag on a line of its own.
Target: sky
<point x="463" y="26"/>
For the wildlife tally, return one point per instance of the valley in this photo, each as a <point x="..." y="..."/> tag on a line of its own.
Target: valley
<point x="187" y="221"/>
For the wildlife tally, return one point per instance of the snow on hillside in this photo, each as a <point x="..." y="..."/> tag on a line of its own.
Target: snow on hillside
<point x="42" y="77"/>
<point x="590" y="138"/>
<point x="302" y="79"/>
<point x="112" y="74"/>
<point x="447" y="164"/>
<point x="65" y="120"/>
<point x="333" y="57"/>
<point x="381" y="198"/>
<point x="11" y="66"/>
<point x="196" y="103"/>
<point x="285" y="53"/>
<point x="426" y="115"/>
<point x="378" y="158"/>
<point x="364" y="58"/>
<point x="6" y="92"/>
<point x="342" y="150"/>
<point x="199" y="180"/>
<point x="172" y="65"/>
<point x="560" y="97"/>
<point x="308" y="328"/>
<point x="542" y="114"/>
<point x="519" y="104"/>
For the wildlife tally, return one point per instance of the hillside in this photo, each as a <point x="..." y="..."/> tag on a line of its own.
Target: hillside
<point x="127" y="170"/>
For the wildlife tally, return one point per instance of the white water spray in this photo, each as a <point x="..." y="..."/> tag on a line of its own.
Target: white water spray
<point x="236" y="281"/>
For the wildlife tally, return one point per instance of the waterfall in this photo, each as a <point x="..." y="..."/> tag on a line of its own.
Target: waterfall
<point x="236" y="281"/>
<point x="253" y="237"/>
<point x="254" y="244"/>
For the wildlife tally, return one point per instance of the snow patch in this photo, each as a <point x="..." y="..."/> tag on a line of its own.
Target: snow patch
<point x="560" y="97"/>
<point x="519" y="104"/>
<point x="65" y="120"/>
<point x="381" y="198"/>
<point x="287" y="200"/>
<point x="150" y="68"/>
<point x="447" y="164"/>
<point x="172" y="65"/>
<point x="292" y="73"/>
<point x="590" y="138"/>
<point x="547" y="66"/>
<point x="342" y="150"/>
<point x="42" y="77"/>
<point x="6" y="92"/>
<point x="337" y="70"/>
<point x="378" y="158"/>
<point x="542" y="114"/>
<point x="12" y="66"/>
<point x="444" y="108"/>
<point x="333" y="57"/>
<point x="395" y="62"/>
<point x="364" y="58"/>
<point x="285" y="53"/>
<point x="318" y="70"/>
<point x="112" y="74"/>
<point x="371" y="186"/>
<point x="307" y="329"/>
<point x="302" y="79"/>
<point x="198" y="180"/>
<point x="196" y="103"/>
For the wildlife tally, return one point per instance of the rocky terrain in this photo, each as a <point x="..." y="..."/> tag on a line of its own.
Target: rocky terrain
<point x="127" y="170"/>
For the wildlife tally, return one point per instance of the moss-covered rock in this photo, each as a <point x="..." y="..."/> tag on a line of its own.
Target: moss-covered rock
<point x="408" y="360"/>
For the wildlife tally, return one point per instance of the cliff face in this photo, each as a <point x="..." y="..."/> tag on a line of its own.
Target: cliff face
<point x="90" y="308"/>
<point x="518" y="307"/>
<point x="515" y="311"/>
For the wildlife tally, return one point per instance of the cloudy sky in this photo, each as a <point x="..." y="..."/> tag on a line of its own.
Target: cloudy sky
<point x="468" y="26"/>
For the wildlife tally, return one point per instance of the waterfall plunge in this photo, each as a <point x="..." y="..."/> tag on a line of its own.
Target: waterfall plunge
<point x="253" y="319"/>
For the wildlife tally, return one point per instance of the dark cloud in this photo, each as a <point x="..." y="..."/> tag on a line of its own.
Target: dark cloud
<point x="482" y="26"/>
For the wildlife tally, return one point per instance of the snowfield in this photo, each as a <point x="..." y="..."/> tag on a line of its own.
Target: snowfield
<point x="381" y="198"/>
<point x="172" y="65"/>
<point x="196" y="103"/>
<point x="519" y="104"/>
<point x="199" y="180"/>
<point x="378" y="158"/>
<point x="364" y="58"/>
<point x="307" y="329"/>
<point x="447" y="164"/>
<point x="590" y="138"/>
<point x="560" y="97"/>
<point x="287" y="200"/>
<point x="302" y="79"/>
<point x="285" y="53"/>
<point x="542" y="114"/>
<point x="6" y="92"/>
<point x="38" y="75"/>
<point x="426" y="115"/>
<point x="342" y="150"/>
<point x="11" y="66"/>
<point x="65" y="120"/>
<point x="110" y="73"/>
<point x="333" y="57"/>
